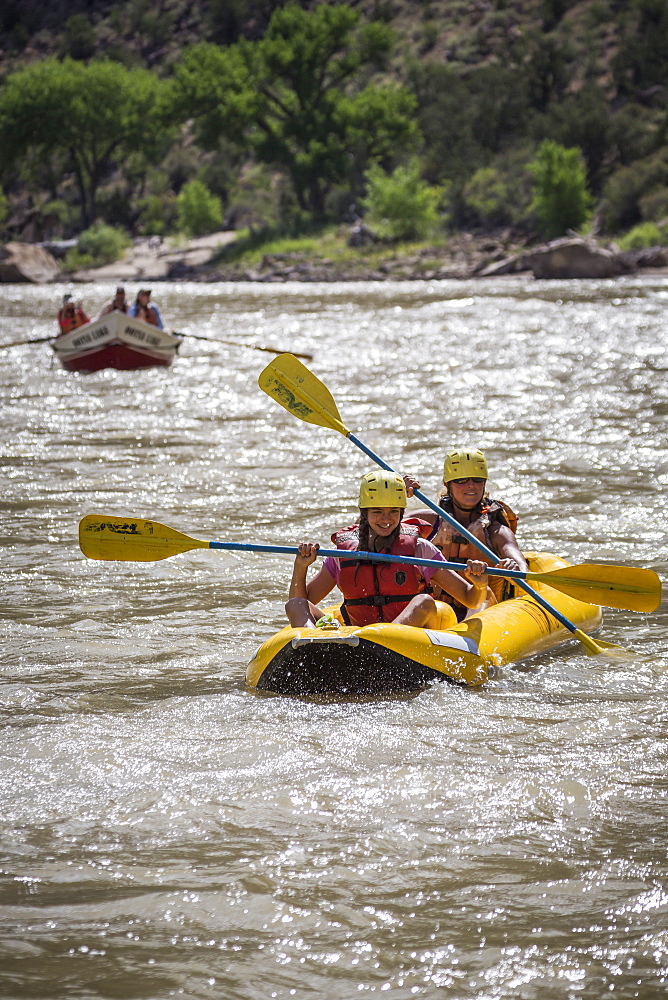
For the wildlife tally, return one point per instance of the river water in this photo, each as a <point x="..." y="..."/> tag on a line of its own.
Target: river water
<point x="166" y="832"/>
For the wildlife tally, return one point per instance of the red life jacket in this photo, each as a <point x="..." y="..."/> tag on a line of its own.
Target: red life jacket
<point x="377" y="591"/>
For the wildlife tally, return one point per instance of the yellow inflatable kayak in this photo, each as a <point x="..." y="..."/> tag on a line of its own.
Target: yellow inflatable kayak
<point x="384" y="657"/>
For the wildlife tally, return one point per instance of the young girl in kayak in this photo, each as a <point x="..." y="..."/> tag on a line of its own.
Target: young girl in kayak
<point x="381" y="592"/>
<point x="492" y="521"/>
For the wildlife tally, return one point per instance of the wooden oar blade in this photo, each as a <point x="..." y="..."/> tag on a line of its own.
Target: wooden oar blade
<point x="300" y="392"/>
<point x="624" y="587"/>
<point x="132" y="539"/>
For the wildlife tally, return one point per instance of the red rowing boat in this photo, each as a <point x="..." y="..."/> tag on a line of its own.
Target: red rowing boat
<point x="115" y="341"/>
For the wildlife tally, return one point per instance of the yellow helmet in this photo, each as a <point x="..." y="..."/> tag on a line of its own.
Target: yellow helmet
<point x="459" y="464"/>
<point x="382" y="489"/>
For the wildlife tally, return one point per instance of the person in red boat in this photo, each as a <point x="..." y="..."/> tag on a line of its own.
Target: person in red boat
<point x="71" y="316"/>
<point x="381" y="591"/>
<point x="118" y="304"/>
<point x="146" y="310"/>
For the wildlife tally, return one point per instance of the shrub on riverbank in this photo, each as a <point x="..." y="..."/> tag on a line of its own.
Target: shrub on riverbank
<point x="644" y="235"/>
<point x="561" y="198"/>
<point x="97" y="246"/>
<point x="400" y="204"/>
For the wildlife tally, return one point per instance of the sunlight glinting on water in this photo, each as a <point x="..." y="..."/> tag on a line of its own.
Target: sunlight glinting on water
<point x="165" y="831"/>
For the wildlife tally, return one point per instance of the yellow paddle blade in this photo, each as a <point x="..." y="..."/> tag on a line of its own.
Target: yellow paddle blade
<point x="132" y="539"/>
<point x="301" y="393"/>
<point x="624" y="587"/>
<point x="594" y="647"/>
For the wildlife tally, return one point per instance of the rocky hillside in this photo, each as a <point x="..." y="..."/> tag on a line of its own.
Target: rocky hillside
<point x="484" y="84"/>
<point x="462" y="33"/>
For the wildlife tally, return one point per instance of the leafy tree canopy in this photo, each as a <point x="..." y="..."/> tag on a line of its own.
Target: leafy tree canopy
<point x="297" y="98"/>
<point x="90" y="114"/>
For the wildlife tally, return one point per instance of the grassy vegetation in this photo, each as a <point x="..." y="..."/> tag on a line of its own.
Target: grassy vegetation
<point x="328" y="243"/>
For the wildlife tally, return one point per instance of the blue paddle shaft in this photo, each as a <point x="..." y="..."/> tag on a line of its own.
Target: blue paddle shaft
<point x="467" y="534"/>
<point x="363" y="556"/>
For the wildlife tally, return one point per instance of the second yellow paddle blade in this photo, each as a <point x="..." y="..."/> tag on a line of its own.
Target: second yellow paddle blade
<point x="626" y="587"/>
<point x="132" y="539"/>
<point x="300" y="392"/>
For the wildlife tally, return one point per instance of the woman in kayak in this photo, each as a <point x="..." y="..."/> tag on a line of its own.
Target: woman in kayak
<point x="491" y="521"/>
<point x="381" y="591"/>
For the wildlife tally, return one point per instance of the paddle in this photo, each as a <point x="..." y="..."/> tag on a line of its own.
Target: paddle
<point x="300" y="392"/>
<point x="233" y="343"/>
<point x="133" y="539"/>
<point x="32" y="340"/>
<point x="193" y="336"/>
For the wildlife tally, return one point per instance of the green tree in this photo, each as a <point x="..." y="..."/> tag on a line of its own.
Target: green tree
<point x="298" y="98"/>
<point x="642" y="58"/>
<point x="199" y="211"/>
<point x="89" y="117"/>
<point x="487" y="194"/>
<point x="561" y="199"/>
<point x="553" y="11"/>
<point x="445" y="116"/>
<point x="79" y="37"/>
<point x="228" y="20"/>
<point x="401" y="205"/>
<point x="467" y="120"/>
<point x="628" y="187"/>
<point x="581" y="119"/>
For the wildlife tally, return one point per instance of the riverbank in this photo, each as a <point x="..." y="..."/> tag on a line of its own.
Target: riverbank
<point x="151" y="259"/>
<point x="227" y="257"/>
<point x="216" y="258"/>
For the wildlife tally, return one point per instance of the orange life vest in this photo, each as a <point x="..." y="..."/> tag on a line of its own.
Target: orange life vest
<point x="377" y="591"/>
<point x="148" y="314"/>
<point x="455" y="547"/>
<point x="69" y="322"/>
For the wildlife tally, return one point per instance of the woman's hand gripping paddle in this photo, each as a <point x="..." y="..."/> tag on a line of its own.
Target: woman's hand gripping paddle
<point x="135" y="539"/>
<point x="300" y="392"/>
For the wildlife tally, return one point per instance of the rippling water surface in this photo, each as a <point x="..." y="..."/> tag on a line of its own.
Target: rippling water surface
<point x="166" y="832"/>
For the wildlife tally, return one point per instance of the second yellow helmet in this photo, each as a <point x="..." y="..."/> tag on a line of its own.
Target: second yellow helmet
<point x="382" y="489"/>
<point x="459" y="464"/>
